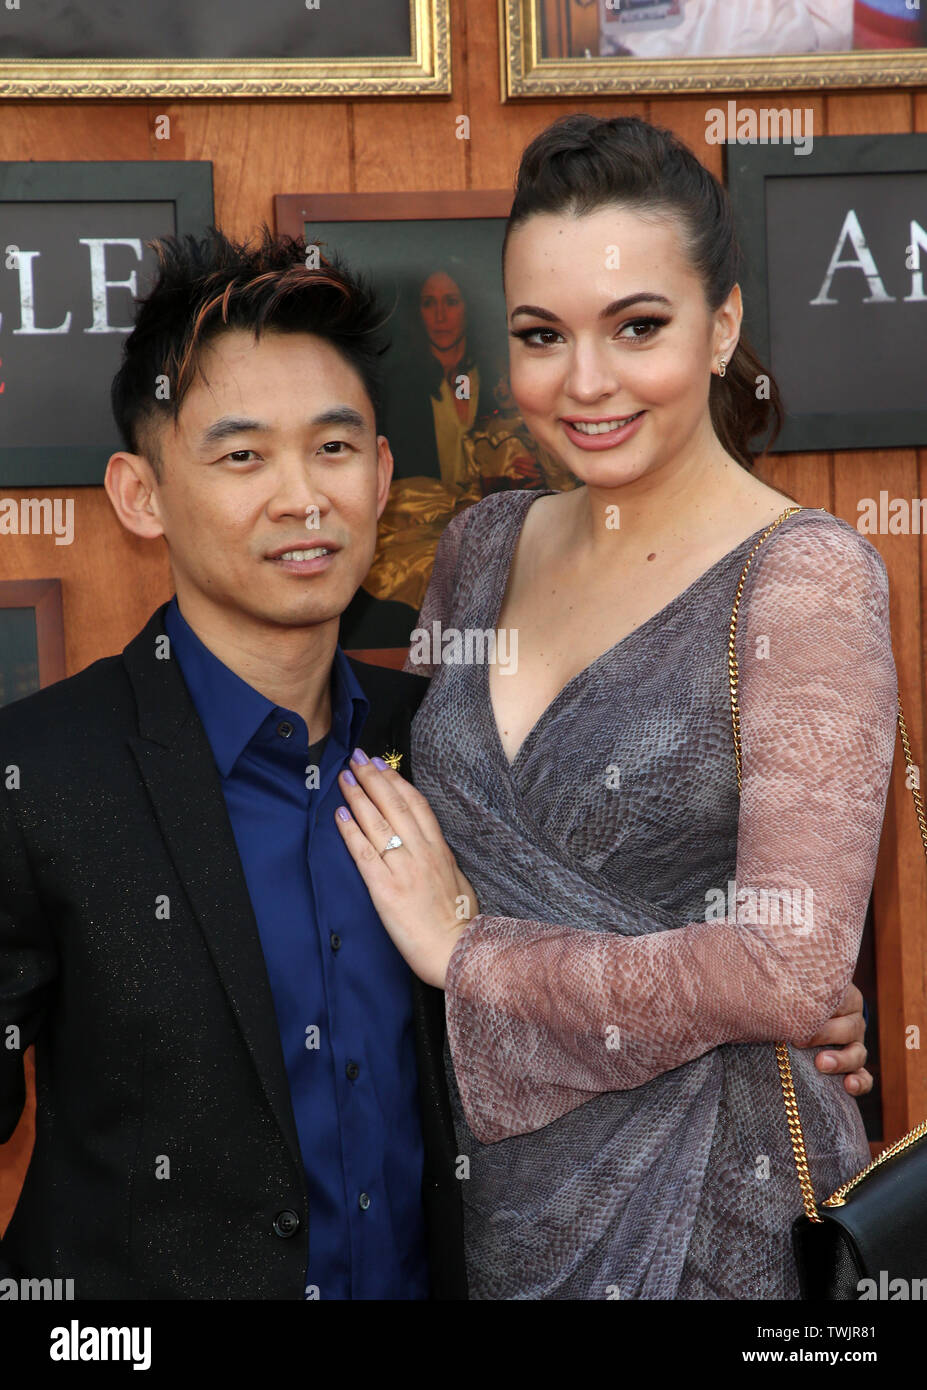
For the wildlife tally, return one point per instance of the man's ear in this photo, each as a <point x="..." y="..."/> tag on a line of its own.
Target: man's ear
<point x="384" y="472"/>
<point x="131" y="487"/>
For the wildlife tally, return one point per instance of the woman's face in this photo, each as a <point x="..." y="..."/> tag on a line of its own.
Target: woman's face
<point x="609" y="321"/>
<point x="444" y="313"/>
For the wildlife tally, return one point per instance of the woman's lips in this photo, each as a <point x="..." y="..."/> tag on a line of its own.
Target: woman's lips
<point x="606" y="439"/>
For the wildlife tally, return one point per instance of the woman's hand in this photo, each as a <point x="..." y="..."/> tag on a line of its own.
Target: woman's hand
<point x="843" y="1035"/>
<point x="421" y="896"/>
<point x="425" y="902"/>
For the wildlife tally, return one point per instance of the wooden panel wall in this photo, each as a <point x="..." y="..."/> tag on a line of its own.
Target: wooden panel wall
<point x="112" y="582"/>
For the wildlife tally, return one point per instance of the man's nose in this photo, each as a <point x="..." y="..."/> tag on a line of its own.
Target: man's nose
<point x="296" y="488"/>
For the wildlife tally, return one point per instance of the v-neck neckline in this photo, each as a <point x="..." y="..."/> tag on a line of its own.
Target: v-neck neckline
<point x="507" y="554"/>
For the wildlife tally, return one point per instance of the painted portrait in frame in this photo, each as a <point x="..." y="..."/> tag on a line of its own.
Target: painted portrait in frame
<point x="585" y="47"/>
<point x="225" y="48"/>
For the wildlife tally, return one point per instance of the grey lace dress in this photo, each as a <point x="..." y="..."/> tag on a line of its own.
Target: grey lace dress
<point x="644" y="938"/>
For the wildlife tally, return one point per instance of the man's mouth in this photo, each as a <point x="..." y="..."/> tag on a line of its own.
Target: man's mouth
<point x="313" y="554"/>
<point x="304" y="559"/>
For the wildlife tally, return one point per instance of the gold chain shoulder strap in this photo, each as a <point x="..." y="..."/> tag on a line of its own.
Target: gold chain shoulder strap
<point x="782" y="1049"/>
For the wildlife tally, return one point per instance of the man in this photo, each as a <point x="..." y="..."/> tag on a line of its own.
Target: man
<point x="230" y="1052"/>
<point x="240" y="1090"/>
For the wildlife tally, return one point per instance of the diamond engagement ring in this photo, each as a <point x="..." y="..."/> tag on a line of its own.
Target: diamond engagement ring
<point x="393" y="842"/>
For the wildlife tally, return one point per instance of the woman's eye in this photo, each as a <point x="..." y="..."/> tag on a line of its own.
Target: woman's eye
<point x="649" y="325"/>
<point x="530" y="336"/>
<point x="641" y="329"/>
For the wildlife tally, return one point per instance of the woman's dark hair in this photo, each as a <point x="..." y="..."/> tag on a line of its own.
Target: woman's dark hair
<point x="582" y="163"/>
<point x="208" y="286"/>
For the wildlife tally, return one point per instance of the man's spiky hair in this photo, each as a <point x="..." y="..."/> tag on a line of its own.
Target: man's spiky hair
<point x="210" y="285"/>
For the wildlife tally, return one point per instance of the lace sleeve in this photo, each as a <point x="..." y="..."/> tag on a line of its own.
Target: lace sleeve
<point x="438" y="601"/>
<point x="541" y="1017"/>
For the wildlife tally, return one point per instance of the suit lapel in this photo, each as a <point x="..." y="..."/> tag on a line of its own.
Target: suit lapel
<point x="176" y="764"/>
<point x="177" y="767"/>
<point x="388" y="724"/>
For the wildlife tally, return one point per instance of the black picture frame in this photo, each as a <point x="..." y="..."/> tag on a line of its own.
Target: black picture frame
<point x="183" y="192"/>
<point x="757" y="175"/>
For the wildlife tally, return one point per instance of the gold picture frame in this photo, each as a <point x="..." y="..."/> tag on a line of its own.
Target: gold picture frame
<point x="426" y="71"/>
<point x="526" y="72"/>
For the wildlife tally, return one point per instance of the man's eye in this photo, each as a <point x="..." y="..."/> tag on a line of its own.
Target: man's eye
<point x="237" y="455"/>
<point x="336" y="445"/>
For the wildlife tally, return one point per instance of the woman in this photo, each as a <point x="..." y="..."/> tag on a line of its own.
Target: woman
<point x="429" y="411"/>
<point x="610" y="1026"/>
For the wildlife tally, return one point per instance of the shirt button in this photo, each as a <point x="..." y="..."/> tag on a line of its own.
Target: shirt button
<point x="352" y="1071"/>
<point x="285" y="728"/>
<point x="335" y="940"/>
<point x="363" y="1201"/>
<point x="286" y="1223"/>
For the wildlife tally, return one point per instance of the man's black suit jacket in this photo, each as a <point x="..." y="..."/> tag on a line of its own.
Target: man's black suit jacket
<point x="166" y="1160"/>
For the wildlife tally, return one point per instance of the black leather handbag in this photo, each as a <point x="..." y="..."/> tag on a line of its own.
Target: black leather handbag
<point x="874" y="1227"/>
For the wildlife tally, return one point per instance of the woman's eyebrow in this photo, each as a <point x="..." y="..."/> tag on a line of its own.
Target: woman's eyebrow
<point x="617" y="306"/>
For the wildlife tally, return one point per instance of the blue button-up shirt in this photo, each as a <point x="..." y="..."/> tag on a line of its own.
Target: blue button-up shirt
<point x="342" y="992"/>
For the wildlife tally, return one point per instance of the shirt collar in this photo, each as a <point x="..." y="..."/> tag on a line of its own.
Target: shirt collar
<point x="232" y="711"/>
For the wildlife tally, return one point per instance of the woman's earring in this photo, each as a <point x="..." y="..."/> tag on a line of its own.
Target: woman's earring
<point x="722" y="366"/>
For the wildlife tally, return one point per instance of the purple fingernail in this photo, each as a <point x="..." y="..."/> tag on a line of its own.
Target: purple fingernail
<point x="359" y="757"/>
<point x="378" y="762"/>
<point x="349" y="777"/>
<point x="343" y="813"/>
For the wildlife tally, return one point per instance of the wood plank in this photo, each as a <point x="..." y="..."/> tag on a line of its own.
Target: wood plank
<point x="258" y="149"/>
<point x="809" y="478"/>
<point x="392" y="657"/>
<point x="870" y="110"/>
<point x="74" y="130"/>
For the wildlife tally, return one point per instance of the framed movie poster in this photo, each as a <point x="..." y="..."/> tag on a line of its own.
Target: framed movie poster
<point x="835" y="262"/>
<point x="73" y="255"/>
<point x="581" y="47"/>
<point x="454" y="430"/>
<point x="227" y="48"/>
<point x="31" y="637"/>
